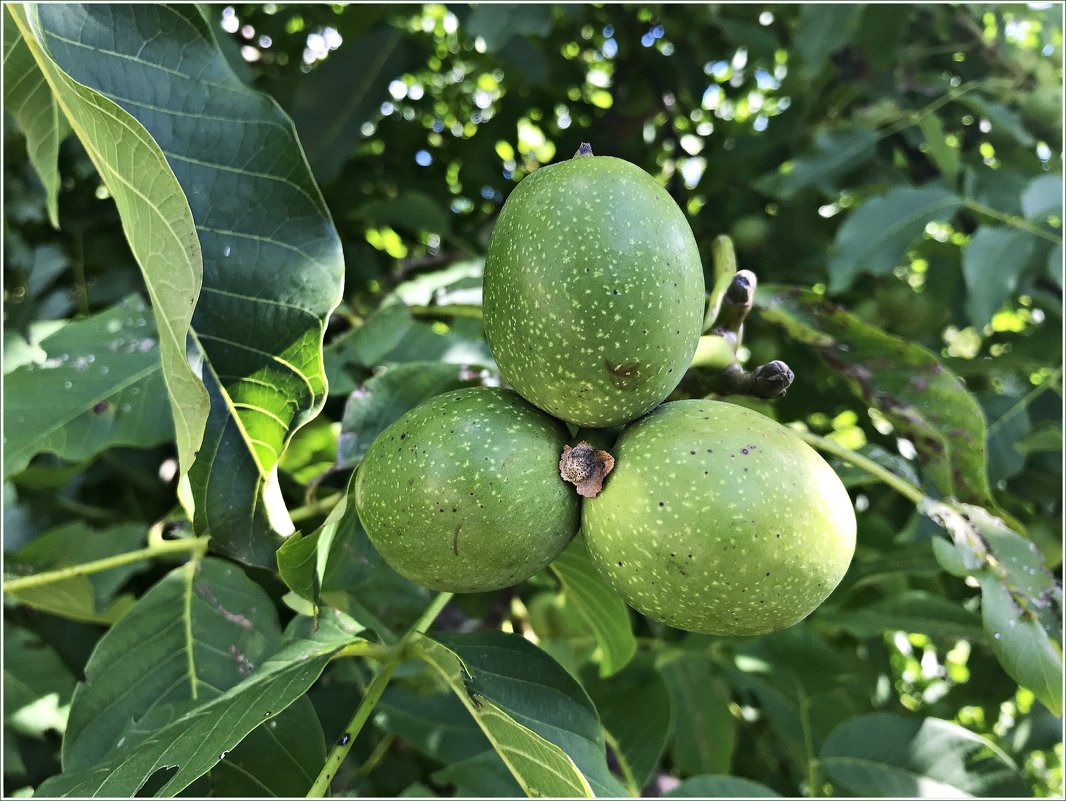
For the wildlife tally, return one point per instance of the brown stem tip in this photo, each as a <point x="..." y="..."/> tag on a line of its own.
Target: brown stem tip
<point x="585" y="467"/>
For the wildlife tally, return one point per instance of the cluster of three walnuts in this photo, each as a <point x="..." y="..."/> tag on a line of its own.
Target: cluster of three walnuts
<point x="713" y="519"/>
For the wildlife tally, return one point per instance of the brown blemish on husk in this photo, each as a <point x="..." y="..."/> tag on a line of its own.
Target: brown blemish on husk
<point x="624" y="375"/>
<point x="586" y="468"/>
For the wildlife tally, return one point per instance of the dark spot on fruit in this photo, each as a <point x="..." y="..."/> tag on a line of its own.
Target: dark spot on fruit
<point x="101" y="407"/>
<point x="744" y="451"/>
<point x="661" y="504"/>
<point x="624" y="375"/>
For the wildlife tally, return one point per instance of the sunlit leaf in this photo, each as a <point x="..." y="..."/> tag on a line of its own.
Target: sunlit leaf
<point x="271" y="276"/>
<point x="156" y="218"/>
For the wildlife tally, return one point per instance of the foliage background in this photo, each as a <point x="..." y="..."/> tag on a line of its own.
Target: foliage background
<point x="904" y="162"/>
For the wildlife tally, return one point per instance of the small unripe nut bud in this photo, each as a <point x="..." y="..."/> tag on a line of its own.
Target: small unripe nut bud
<point x="771" y="380"/>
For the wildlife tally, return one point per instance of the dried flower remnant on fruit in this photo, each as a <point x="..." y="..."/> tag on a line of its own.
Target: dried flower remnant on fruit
<point x="586" y="468"/>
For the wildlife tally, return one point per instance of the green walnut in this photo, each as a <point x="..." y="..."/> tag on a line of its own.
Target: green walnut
<point x="594" y="296"/>
<point x="719" y="520"/>
<point x="463" y="492"/>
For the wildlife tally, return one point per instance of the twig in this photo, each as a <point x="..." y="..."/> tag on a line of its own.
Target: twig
<point x="372" y="695"/>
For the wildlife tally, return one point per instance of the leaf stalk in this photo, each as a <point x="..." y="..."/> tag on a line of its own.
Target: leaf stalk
<point x="196" y="546"/>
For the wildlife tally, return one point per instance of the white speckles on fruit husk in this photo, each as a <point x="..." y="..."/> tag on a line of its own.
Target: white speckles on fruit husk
<point x="720" y="520"/>
<point x="594" y="291"/>
<point x="463" y="492"/>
